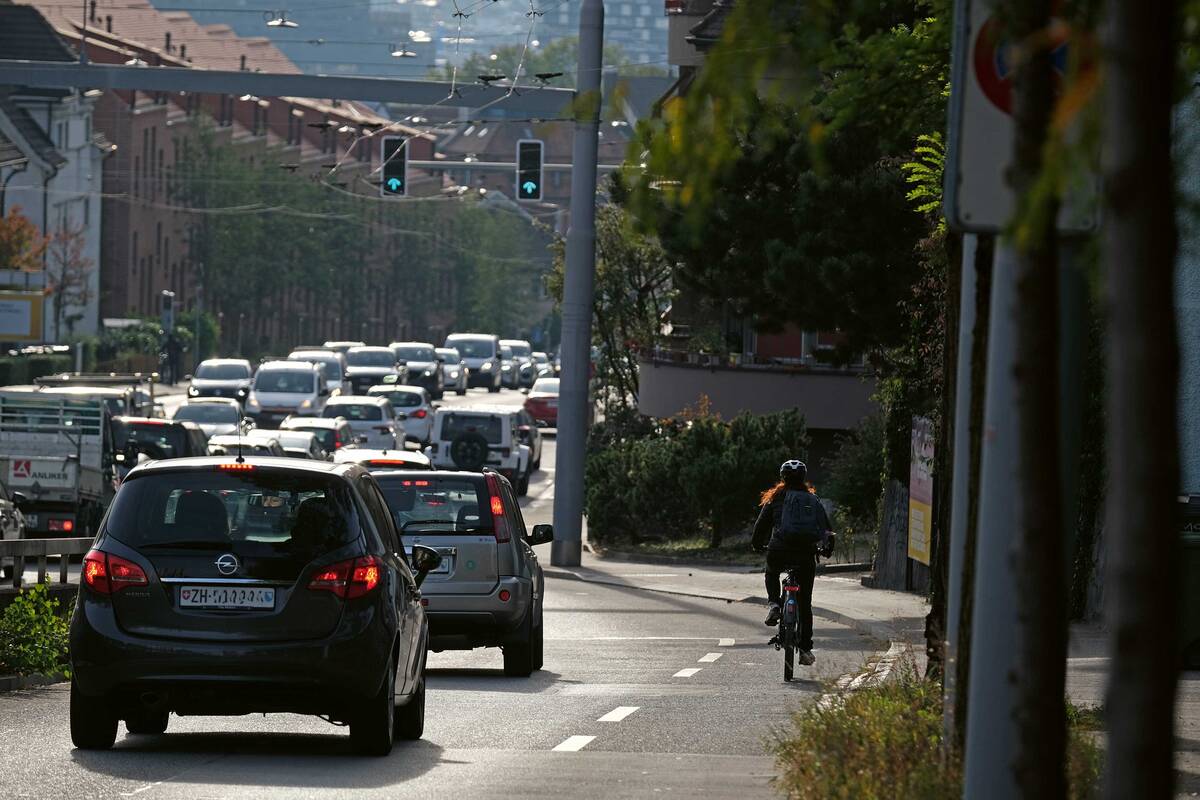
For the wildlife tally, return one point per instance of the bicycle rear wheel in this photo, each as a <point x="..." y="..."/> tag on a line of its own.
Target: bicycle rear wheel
<point x="789" y="661"/>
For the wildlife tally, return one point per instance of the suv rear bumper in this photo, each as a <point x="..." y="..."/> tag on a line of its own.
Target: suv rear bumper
<point x="320" y="676"/>
<point x="464" y="621"/>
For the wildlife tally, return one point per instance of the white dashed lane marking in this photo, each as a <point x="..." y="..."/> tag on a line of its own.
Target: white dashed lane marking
<point x="619" y="713"/>
<point x="725" y="643"/>
<point x="574" y="744"/>
<point x="686" y="673"/>
<point x="708" y="659"/>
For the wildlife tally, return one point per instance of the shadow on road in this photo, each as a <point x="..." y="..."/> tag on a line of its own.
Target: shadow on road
<point x="478" y="679"/>
<point x="312" y="761"/>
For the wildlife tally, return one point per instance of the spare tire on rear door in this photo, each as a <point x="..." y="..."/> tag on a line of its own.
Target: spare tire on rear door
<point x="469" y="451"/>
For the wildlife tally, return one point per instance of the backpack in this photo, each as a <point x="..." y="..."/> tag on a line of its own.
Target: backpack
<point x="799" y="522"/>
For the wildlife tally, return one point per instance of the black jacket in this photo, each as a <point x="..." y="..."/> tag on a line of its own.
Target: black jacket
<point x="766" y="527"/>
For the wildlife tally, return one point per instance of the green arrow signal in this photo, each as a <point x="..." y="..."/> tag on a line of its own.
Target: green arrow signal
<point x="394" y="184"/>
<point x="530" y="187"/>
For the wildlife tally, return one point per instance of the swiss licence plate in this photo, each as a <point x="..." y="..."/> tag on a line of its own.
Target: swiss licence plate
<point x="226" y="597"/>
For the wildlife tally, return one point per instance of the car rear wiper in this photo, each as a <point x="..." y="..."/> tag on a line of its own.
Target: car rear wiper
<point x="404" y="527"/>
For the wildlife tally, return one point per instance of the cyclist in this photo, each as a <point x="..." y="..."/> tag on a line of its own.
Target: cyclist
<point x="793" y="528"/>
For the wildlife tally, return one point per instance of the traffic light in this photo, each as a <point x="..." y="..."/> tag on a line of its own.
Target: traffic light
<point x="529" y="169"/>
<point x="395" y="167"/>
<point x="167" y="310"/>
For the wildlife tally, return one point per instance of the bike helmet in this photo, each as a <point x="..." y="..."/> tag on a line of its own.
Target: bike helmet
<point x="793" y="470"/>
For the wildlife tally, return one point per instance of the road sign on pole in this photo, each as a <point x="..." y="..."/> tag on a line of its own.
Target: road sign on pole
<point x="394" y="157"/>
<point x="978" y="196"/>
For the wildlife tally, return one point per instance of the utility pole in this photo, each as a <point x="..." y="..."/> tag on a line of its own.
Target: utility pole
<point x="580" y="279"/>
<point x="1139" y="249"/>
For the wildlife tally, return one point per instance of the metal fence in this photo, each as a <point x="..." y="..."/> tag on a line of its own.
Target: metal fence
<point x="42" y="550"/>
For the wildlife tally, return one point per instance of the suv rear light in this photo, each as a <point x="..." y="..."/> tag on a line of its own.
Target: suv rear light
<point x="420" y="413"/>
<point x="499" y="523"/>
<point x="63" y="525"/>
<point x="107" y="574"/>
<point x="354" y="577"/>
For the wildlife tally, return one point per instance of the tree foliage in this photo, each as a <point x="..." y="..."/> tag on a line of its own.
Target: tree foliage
<point x="21" y="243"/>
<point x="69" y="277"/>
<point x="632" y="290"/>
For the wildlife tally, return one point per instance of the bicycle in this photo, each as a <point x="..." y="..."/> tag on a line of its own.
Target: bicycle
<point x="788" y="637"/>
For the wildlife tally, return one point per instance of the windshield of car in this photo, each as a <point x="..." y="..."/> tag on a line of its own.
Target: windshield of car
<point x="284" y="382"/>
<point x="330" y="364"/>
<point x="505" y="352"/>
<point x="210" y="413"/>
<point x="155" y="439"/>
<point x="541" y="358"/>
<point x="522" y="350"/>
<point x="437" y="505"/>
<point x="490" y="427"/>
<point x="223" y="372"/>
<point x="353" y="411"/>
<point x="547" y="385"/>
<point x="475" y="348"/>
<point x="400" y="399"/>
<point x="257" y="513"/>
<point x="415" y="353"/>
<point x="449" y="355"/>
<point x="370" y="358"/>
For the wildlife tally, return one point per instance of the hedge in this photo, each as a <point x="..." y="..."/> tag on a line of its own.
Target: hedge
<point x="25" y="369"/>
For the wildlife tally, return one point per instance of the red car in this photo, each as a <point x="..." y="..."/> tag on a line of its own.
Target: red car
<point x="542" y="402"/>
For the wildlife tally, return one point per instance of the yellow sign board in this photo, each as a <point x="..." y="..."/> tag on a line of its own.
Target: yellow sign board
<point x="21" y="316"/>
<point x="920" y="491"/>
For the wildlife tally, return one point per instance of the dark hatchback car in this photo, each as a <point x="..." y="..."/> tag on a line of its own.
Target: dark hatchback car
<point x="219" y="587"/>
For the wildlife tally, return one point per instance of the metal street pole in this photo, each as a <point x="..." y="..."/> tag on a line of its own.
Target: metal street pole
<point x="960" y="476"/>
<point x="577" y="295"/>
<point x="991" y="747"/>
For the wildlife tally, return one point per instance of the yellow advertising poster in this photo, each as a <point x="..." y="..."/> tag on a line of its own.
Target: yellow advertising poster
<point x="21" y="316"/>
<point x="920" y="490"/>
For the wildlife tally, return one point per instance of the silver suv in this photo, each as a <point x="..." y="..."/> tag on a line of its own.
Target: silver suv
<point x="488" y="589"/>
<point x="475" y="438"/>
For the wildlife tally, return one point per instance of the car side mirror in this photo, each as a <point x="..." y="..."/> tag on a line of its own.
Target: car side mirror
<point x="435" y="405"/>
<point x="20" y="501"/>
<point x="187" y="377"/>
<point x="541" y="534"/>
<point x="524" y="390"/>
<point x="424" y="560"/>
<point x="401" y="363"/>
<point x="324" y="391"/>
<point x="360" y="439"/>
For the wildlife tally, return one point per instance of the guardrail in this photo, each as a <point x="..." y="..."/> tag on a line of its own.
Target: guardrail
<point x="42" y="549"/>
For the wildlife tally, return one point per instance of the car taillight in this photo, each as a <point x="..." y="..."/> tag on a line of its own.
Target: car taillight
<point x="420" y="413"/>
<point x="355" y="577"/>
<point x="337" y="443"/>
<point x="236" y="467"/>
<point x="499" y="523"/>
<point x="63" y="525"/>
<point x="106" y="574"/>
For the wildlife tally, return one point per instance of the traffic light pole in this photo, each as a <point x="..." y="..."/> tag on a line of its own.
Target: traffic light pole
<point x="573" y="400"/>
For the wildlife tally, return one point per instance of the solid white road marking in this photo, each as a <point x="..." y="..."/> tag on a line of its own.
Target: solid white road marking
<point x="686" y="673"/>
<point x="725" y="643"/>
<point x="574" y="744"/>
<point x="619" y="713"/>
<point x="708" y="659"/>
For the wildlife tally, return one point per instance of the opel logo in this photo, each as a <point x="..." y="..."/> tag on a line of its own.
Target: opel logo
<point x="227" y="564"/>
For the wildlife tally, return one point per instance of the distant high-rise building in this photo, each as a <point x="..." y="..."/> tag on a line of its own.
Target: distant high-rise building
<point x="638" y="28"/>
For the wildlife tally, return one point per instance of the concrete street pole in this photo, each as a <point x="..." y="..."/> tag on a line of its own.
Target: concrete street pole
<point x="960" y="476"/>
<point x="991" y="696"/>
<point x="573" y="401"/>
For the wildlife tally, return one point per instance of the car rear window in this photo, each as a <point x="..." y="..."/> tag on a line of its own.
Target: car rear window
<point x="437" y="505"/>
<point x="547" y="385"/>
<point x="256" y="512"/>
<point x="454" y="425"/>
<point x="401" y="399"/>
<point x="155" y="439"/>
<point x="326" y="436"/>
<point x="355" y="412"/>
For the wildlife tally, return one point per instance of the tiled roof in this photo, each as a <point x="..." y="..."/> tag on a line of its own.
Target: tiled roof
<point x="10" y="154"/>
<point x="25" y="34"/>
<point x="31" y="132"/>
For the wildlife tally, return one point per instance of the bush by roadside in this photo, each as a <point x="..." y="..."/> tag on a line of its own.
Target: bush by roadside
<point x="885" y="740"/>
<point x="33" y="635"/>
<point x="701" y="476"/>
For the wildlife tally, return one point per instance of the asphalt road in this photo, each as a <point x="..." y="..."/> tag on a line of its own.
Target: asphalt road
<point x="642" y="694"/>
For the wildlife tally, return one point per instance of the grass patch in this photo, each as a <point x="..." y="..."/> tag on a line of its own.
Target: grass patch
<point x="885" y="741"/>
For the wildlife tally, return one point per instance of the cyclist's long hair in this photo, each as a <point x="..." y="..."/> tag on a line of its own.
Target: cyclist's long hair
<point x="781" y="487"/>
